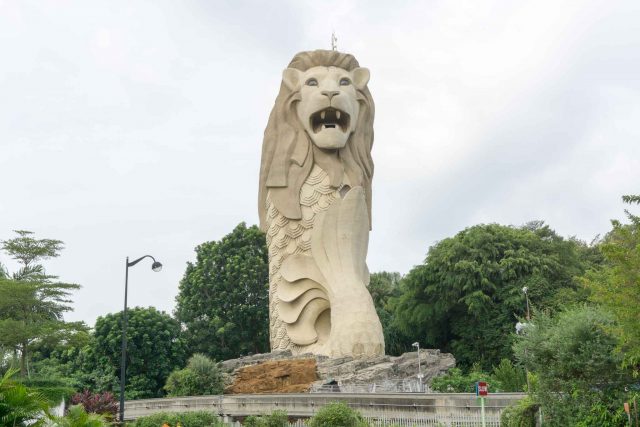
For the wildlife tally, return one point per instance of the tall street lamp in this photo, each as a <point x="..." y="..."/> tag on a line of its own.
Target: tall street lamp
<point x="417" y="345"/>
<point x="156" y="266"/>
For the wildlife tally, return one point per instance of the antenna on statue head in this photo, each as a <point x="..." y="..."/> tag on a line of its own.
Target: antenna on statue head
<point x="334" y="41"/>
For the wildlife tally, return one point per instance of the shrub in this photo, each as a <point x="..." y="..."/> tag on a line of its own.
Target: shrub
<point x="275" y="419"/>
<point x="98" y="403"/>
<point x="455" y="381"/>
<point x="601" y="415"/>
<point x="522" y="414"/>
<point x="202" y="376"/>
<point x="77" y="417"/>
<point x="19" y="404"/>
<point x="508" y="377"/>
<point x="337" y="414"/>
<point x="186" y="419"/>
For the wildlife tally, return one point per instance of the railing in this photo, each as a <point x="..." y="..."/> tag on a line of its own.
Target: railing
<point x="408" y="385"/>
<point x="441" y="420"/>
<point x="419" y="409"/>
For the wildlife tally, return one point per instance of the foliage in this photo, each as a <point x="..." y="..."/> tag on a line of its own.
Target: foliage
<point x="20" y="405"/>
<point x="603" y="415"/>
<point x="154" y="350"/>
<point x="383" y="287"/>
<point x="617" y="284"/>
<point x="97" y="403"/>
<point x="186" y="419"/>
<point x="505" y="378"/>
<point x="77" y="416"/>
<point x="31" y="301"/>
<point x="337" y="414"/>
<point x="576" y="365"/>
<point x="522" y="414"/>
<point x="467" y="296"/>
<point x="455" y="381"/>
<point x="202" y="376"/>
<point x="223" y="297"/>
<point x="508" y="377"/>
<point x="51" y="388"/>
<point x="275" y="419"/>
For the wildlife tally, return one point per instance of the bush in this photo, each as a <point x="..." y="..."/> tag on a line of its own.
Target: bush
<point x="186" y="419"/>
<point x="201" y="377"/>
<point x="78" y="417"/>
<point x="337" y="414"/>
<point x="509" y="378"/>
<point x="98" y="403"/>
<point x="455" y="381"/>
<point x="577" y="367"/>
<point x="601" y="415"/>
<point x="275" y="419"/>
<point x="523" y="414"/>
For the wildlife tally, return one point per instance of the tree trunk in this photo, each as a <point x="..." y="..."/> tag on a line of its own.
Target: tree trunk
<point x="23" y="360"/>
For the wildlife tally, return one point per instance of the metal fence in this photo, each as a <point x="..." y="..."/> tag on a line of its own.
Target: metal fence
<point x="443" y="420"/>
<point x="407" y="385"/>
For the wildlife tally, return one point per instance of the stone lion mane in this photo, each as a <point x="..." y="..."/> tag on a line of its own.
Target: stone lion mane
<point x="287" y="154"/>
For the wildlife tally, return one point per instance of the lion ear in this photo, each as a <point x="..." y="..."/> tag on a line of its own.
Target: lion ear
<point x="360" y="77"/>
<point x="291" y="78"/>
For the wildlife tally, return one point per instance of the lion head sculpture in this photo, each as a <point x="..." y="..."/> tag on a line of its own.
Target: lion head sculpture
<point x="323" y="110"/>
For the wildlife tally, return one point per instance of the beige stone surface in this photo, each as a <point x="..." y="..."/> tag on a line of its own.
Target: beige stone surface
<point x="315" y="206"/>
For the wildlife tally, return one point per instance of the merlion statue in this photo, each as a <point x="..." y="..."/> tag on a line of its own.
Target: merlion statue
<point x="315" y="207"/>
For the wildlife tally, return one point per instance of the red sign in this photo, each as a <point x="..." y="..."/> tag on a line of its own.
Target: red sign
<point x="482" y="389"/>
<point x="626" y="408"/>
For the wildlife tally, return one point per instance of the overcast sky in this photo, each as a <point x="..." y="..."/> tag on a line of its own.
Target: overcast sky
<point x="131" y="127"/>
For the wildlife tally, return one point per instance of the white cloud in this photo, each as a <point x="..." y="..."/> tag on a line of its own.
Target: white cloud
<point x="132" y="128"/>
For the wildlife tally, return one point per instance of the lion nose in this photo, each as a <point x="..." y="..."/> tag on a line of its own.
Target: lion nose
<point x="330" y="93"/>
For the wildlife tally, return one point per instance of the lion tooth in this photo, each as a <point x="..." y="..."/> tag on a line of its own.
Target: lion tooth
<point x="322" y="114"/>
<point x="338" y="114"/>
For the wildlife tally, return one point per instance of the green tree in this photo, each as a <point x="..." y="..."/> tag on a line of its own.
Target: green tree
<point x="154" y="350"/>
<point x="577" y="368"/>
<point x="383" y="287"/>
<point x="32" y="302"/>
<point x="467" y="296"/>
<point x="202" y="376"/>
<point x="224" y="296"/>
<point x="617" y="284"/>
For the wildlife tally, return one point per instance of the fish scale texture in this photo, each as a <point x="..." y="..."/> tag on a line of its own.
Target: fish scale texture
<point x="286" y="237"/>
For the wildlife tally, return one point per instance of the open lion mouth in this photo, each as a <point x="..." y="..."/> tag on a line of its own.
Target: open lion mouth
<point x="329" y="118"/>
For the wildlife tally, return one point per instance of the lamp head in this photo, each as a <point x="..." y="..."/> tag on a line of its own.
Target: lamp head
<point x="416" y="344"/>
<point x="156" y="266"/>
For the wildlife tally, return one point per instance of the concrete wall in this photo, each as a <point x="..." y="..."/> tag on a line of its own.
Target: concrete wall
<point x="307" y="404"/>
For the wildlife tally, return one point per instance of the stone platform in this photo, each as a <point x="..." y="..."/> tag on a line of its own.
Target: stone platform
<point x="281" y="372"/>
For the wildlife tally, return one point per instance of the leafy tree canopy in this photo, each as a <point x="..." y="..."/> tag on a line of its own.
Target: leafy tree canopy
<point x="224" y="296"/>
<point x="383" y="287"/>
<point x="617" y="284"/>
<point x="575" y="363"/>
<point x="467" y="296"/>
<point x="154" y="350"/>
<point x="32" y="302"/>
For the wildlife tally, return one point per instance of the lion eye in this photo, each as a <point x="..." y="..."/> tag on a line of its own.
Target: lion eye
<point x="345" y="82"/>
<point x="312" y="82"/>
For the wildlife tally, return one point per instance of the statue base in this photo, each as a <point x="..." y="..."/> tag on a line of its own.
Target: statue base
<point x="281" y="372"/>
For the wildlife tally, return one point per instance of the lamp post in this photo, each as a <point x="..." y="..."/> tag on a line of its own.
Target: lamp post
<point x="156" y="266"/>
<point x="417" y="345"/>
